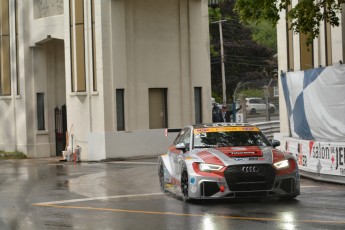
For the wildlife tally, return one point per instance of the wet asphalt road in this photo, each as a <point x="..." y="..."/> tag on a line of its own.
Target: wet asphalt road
<point x="48" y="194"/>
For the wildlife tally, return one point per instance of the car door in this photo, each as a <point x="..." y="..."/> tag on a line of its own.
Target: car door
<point x="176" y="155"/>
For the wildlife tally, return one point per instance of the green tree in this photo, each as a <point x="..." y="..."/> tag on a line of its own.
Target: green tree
<point x="245" y="59"/>
<point x="264" y="34"/>
<point x="305" y="16"/>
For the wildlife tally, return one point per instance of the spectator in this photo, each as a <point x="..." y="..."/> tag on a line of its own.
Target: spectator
<point x="223" y="115"/>
<point x="216" y="114"/>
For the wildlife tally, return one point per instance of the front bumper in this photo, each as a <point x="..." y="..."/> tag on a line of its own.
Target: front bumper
<point x="236" y="184"/>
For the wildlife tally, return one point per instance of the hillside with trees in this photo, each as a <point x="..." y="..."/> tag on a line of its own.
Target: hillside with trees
<point x="247" y="57"/>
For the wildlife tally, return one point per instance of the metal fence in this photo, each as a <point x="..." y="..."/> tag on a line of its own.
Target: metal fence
<point x="269" y="128"/>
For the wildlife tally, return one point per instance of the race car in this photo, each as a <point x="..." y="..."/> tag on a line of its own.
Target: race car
<point x="227" y="160"/>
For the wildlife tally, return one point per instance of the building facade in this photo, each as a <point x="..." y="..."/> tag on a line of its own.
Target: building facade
<point x="112" y="73"/>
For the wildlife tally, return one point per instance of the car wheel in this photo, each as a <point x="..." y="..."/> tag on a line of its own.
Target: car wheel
<point x="272" y="110"/>
<point x="184" y="183"/>
<point x="253" y="111"/>
<point x="161" y="177"/>
<point x="287" y="198"/>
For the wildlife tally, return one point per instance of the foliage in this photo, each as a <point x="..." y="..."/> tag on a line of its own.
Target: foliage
<point x="264" y="34"/>
<point x="245" y="59"/>
<point x="12" y="155"/>
<point x="305" y="16"/>
<point x="251" y="92"/>
<point x="214" y="15"/>
<point x="216" y="97"/>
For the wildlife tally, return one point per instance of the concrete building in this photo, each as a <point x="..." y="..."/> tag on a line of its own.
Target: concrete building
<point x="293" y="54"/>
<point x="124" y="69"/>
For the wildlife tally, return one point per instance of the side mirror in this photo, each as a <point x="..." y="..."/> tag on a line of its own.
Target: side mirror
<point x="275" y="143"/>
<point x="182" y="146"/>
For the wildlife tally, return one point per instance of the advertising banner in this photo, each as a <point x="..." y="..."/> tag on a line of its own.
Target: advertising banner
<point x="315" y="156"/>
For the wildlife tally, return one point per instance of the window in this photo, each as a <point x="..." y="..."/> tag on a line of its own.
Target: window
<point x="289" y="40"/>
<point x="40" y="111"/>
<point x="198" y="105"/>
<point x="94" y="63"/>
<point x="77" y="46"/>
<point x="275" y="91"/>
<point x="120" y="109"/>
<point x="5" y="76"/>
<point x="306" y="53"/>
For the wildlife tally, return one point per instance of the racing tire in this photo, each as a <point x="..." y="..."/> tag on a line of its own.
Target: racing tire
<point x="161" y="177"/>
<point x="288" y="198"/>
<point x="252" y="111"/>
<point x="184" y="183"/>
<point x="272" y="110"/>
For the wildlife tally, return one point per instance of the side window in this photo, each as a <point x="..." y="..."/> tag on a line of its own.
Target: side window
<point x="179" y="137"/>
<point x="186" y="137"/>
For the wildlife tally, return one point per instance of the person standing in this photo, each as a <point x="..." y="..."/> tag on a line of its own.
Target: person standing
<point x="223" y="115"/>
<point x="216" y="115"/>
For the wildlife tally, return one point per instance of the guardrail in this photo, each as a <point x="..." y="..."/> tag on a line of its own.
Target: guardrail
<point x="269" y="128"/>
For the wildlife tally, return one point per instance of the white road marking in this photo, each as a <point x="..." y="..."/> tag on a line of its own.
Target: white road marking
<point x="309" y="186"/>
<point x="94" y="198"/>
<point x="133" y="162"/>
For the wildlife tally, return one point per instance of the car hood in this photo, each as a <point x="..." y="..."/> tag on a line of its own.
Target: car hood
<point x="236" y="155"/>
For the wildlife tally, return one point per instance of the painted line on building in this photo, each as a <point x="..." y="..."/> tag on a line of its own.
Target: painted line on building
<point x="188" y="214"/>
<point x="93" y="198"/>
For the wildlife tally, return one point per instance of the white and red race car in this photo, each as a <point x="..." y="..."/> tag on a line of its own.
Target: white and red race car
<point x="227" y="160"/>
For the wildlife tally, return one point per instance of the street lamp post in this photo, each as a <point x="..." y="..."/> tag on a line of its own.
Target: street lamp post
<point x="266" y="92"/>
<point x="222" y="59"/>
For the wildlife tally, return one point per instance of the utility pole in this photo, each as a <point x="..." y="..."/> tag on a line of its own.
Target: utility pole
<point x="222" y="58"/>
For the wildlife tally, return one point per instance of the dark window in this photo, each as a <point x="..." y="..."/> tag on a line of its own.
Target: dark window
<point x="120" y="109"/>
<point x="40" y="112"/>
<point x="198" y="104"/>
<point x="158" y="113"/>
<point x="228" y="138"/>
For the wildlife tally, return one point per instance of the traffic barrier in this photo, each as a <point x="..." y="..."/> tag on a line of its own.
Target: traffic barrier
<point x="269" y="128"/>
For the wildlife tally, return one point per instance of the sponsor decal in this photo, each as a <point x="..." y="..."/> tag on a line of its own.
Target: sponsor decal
<point x="240" y="159"/>
<point x="340" y="158"/>
<point x="318" y="157"/>
<point x="257" y="158"/>
<point x="192" y="180"/>
<point x="225" y="129"/>
<point x="322" y="152"/>
<point x="238" y="148"/>
<point x="245" y="153"/>
<point x="250" y="151"/>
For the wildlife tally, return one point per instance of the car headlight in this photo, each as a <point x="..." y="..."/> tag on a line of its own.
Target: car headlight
<point x="209" y="167"/>
<point x="281" y="164"/>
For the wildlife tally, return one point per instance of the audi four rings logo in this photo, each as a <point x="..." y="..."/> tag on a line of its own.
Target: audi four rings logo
<point x="250" y="169"/>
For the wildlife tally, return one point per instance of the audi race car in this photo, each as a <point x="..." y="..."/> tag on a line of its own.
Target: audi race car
<point x="227" y="160"/>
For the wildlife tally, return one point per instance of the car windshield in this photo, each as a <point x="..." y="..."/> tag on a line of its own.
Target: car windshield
<point x="228" y="137"/>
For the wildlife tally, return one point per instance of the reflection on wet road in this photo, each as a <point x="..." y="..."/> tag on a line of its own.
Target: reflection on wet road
<point x="47" y="194"/>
